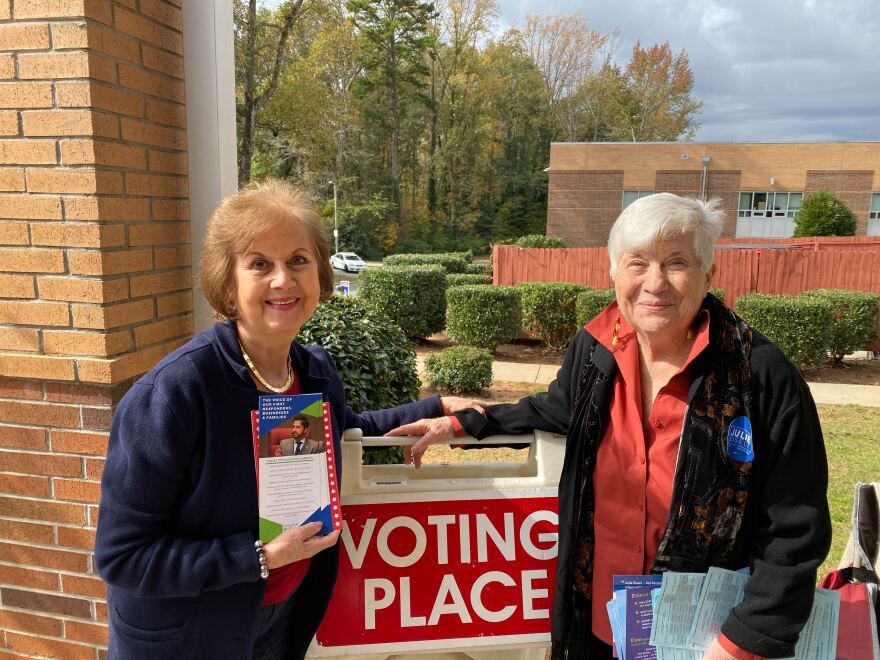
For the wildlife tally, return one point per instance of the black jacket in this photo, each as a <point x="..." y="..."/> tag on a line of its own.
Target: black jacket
<point x="786" y="531"/>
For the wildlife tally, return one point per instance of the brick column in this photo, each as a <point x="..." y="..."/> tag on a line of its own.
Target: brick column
<point x="95" y="283"/>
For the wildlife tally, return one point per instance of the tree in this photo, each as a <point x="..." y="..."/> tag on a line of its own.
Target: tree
<point x="460" y="26"/>
<point x="396" y="37"/>
<point x="455" y="152"/>
<point x="568" y="53"/>
<point x="309" y="127"/>
<point x="824" y="214"/>
<point x="261" y="49"/>
<point x="654" y="101"/>
<point x="436" y="132"/>
<point x="520" y="128"/>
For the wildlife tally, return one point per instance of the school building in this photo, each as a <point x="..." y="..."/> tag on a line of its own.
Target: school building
<point x="761" y="185"/>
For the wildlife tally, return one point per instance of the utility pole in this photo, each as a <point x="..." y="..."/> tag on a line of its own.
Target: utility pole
<point x="335" y="218"/>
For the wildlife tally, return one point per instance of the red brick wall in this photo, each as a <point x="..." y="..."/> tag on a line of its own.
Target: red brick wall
<point x="726" y="186"/>
<point x="95" y="283"/>
<point x="582" y="205"/>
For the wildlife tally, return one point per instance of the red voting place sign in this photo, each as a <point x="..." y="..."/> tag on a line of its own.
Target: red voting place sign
<point x="439" y="572"/>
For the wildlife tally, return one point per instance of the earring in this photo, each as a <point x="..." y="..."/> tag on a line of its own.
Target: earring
<point x="690" y="333"/>
<point x="614" y="338"/>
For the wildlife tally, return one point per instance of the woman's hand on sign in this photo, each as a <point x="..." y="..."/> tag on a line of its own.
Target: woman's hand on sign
<point x="297" y="543"/>
<point x="428" y="431"/>
<point x="454" y="404"/>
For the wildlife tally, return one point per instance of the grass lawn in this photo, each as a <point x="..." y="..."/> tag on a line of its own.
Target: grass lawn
<point x="851" y="441"/>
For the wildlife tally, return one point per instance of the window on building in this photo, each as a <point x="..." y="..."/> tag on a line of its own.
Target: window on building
<point x="874" y="215"/>
<point x="629" y="196"/>
<point x="767" y="214"/>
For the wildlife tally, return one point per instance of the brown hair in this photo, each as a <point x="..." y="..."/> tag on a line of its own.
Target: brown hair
<point x="239" y="220"/>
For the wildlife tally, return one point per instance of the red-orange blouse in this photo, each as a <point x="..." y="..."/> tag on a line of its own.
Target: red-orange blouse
<point x="635" y="464"/>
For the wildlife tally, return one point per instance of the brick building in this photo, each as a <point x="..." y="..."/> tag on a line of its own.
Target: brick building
<point x="761" y="185"/>
<point x="96" y="275"/>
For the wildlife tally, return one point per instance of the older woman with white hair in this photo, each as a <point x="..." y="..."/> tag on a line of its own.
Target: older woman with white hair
<point x="691" y="442"/>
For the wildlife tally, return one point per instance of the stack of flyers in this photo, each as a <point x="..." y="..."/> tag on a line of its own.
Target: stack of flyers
<point x="678" y="616"/>
<point x="632" y="615"/>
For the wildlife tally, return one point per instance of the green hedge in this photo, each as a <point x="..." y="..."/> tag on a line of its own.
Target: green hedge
<point x="799" y="325"/>
<point x="461" y="279"/>
<point x="718" y="293"/>
<point x="412" y="296"/>
<point x="460" y="369"/>
<point x="374" y="358"/>
<point x="590" y="302"/>
<point x="855" y="314"/>
<point x="483" y="315"/>
<point x="539" y="241"/>
<point x="453" y="262"/>
<point x="482" y="268"/>
<point x="549" y="311"/>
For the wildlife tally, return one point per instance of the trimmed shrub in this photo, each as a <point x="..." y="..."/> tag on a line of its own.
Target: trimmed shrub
<point x="453" y="262"/>
<point x="412" y="296"/>
<point x="483" y="315"/>
<point x="549" y="311"/>
<point x="460" y="369"/>
<point x="460" y="279"/>
<point x="539" y="241"/>
<point x="482" y="268"/>
<point x="718" y="293"/>
<point x="856" y="315"/>
<point x="799" y="325"/>
<point x="824" y="214"/>
<point x="590" y="302"/>
<point x="374" y="358"/>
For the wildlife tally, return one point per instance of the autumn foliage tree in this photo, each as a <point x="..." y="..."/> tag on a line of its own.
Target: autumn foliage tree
<point x="654" y="101"/>
<point x="262" y="49"/>
<point x="435" y="125"/>
<point x="569" y="55"/>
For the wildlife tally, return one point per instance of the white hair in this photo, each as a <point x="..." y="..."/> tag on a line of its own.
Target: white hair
<point x="663" y="216"/>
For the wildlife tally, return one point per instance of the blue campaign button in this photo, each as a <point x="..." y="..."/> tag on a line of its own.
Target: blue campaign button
<point x="739" y="440"/>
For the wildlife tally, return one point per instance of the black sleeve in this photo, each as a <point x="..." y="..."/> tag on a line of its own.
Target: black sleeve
<point x="790" y="534"/>
<point x="546" y="411"/>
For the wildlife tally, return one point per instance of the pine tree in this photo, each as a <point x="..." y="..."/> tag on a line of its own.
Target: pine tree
<point x="396" y="37"/>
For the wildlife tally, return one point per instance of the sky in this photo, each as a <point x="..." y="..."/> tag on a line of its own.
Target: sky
<point x="765" y="70"/>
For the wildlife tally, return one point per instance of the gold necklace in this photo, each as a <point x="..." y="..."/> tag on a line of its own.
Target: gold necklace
<point x="253" y="368"/>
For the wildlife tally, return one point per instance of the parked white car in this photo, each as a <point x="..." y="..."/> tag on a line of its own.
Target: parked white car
<point x="347" y="261"/>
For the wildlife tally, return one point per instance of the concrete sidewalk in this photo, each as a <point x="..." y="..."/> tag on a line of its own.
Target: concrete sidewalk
<point x="543" y="374"/>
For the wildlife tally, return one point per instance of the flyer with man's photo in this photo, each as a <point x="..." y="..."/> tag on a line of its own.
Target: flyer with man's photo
<point x="295" y="464"/>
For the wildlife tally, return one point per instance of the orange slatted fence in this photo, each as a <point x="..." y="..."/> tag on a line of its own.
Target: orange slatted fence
<point x="824" y="264"/>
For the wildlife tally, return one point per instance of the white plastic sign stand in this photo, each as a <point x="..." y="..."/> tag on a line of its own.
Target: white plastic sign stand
<point x="454" y="560"/>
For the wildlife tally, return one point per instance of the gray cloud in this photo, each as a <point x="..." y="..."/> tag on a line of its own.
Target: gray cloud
<point x="777" y="70"/>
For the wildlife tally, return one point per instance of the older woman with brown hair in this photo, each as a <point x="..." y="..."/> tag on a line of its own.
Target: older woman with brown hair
<point x="691" y="442"/>
<point x="177" y="541"/>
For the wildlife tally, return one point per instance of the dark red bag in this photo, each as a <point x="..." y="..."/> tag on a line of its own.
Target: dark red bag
<point x="857" y="582"/>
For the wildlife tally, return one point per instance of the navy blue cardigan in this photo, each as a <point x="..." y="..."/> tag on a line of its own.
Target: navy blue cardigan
<point x="178" y="517"/>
